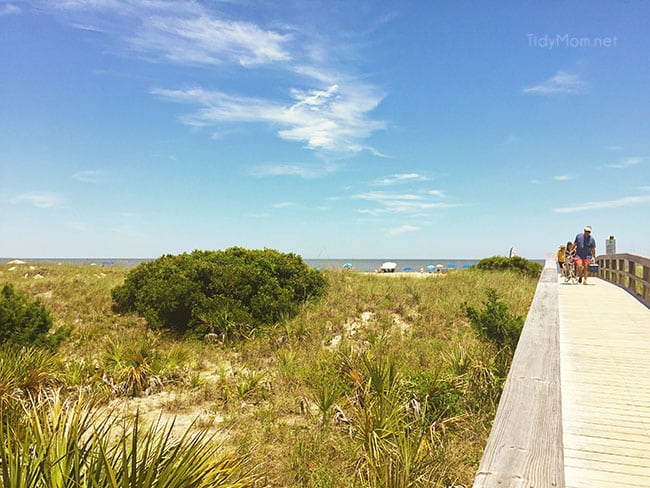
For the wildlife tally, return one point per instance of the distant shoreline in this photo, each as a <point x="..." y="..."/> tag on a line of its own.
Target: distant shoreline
<point x="411" y="266"/>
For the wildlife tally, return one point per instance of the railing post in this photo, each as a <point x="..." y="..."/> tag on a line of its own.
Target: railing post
<point x="621" y="269"/>
<point x="646" y="283"/>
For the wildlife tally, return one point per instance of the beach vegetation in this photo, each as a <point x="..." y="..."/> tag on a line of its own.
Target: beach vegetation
<point x="24" y="320"/>
<point x="515" y="263"/>
<point x="382" y="381"/>
<point x="233" y="292"/>
<point x="494" y="322"/>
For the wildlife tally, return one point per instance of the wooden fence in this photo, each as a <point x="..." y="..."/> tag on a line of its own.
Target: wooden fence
<point x="627" y="270"/>
<point x="525" y="445"/>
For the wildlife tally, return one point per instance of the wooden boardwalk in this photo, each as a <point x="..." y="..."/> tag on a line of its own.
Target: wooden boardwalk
<point x="605" y="386"/>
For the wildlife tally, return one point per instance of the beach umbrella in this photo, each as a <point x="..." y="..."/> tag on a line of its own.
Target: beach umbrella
<point x="439" y="266"/>
<point x="451" y="266"/>
<point x="408" y="268"/>
<point x="430" y="268"/>
<point x="16" y="261"/>
<point x="347" y="265"/>
<point x="389" y="266"/>
<point x="467" y="266"/>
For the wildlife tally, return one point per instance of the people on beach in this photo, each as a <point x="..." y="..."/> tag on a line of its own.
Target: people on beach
<point x="585" y="252"/>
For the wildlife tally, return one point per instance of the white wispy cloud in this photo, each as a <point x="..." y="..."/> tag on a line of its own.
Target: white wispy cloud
<point x="39" y="199"/>
<point x="614" y="148"/>
<point x="283" y="205"/>
<point x="400" y="178"/>
<point x="395" y="231"/>
<point x="334" y="119"/>
<point x="626" y="163"/>
<point x="561" y="82"/>
<point x="563" y="177"/>
<point x="406" y="203"/>
<point x="208" y="40"/>
<point x="183" y="32"/>
<point x="306" y="171"/>
<point x="88" y="176"/>
<point x="436" y="193"/>
<point x="620" y="202"/>
<point x="325" y="108"/>
<point x="9" y="9"/>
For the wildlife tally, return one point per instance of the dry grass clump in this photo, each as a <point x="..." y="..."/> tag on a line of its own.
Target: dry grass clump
<point x="382" y="382"/>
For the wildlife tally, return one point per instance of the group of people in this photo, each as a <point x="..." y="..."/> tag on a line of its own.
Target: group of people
<point x="580" y="253"/>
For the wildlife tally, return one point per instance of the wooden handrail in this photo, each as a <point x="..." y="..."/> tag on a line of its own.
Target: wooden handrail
<point x="630" y="271"/>
<point x="525" y="446"/>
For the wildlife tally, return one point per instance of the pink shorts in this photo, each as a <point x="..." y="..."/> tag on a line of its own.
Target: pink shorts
<point x="582" y="261"/>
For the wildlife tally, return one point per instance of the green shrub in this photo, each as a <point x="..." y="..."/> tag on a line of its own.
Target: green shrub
<point x="515" y="263"/>
<point x="25" y="321"/>
<point x="495" y="323"/>
<point x="233" y="292"/>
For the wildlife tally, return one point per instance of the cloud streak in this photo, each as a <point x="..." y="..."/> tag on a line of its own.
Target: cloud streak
<point x="88" y="176"/>
<point x="405" y="203"/>
<point x="395" y="231"/>
<point x="561" y="82"/>
<point x="9" y="9"/>
<point x="306" y="171"/>
<point x="330" y="113"/>
<point x="620" y="202"/>
<point x="626" y="163"/>
<point x="400" y="178"/>
<point x="182" y="32"/>
<point x="208" y="40"/>
<point x="333" y="119"/>
<point x="39" y="199"/>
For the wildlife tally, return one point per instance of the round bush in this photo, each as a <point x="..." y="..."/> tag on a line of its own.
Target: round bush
<point x="230" y="292"/>
<point x="25" y="321"/>
<point x="515" y="263"/>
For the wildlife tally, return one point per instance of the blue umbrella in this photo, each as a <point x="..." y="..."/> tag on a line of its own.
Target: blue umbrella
<point x="451" y="266"/>
<point x="347" y="265"/>
<point x="408" y="268"/>
<point x="430" y="267"/>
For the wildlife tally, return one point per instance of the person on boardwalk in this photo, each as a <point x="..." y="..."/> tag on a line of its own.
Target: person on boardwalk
<point x="585" y="252"/>
<point x="560" y="257"/>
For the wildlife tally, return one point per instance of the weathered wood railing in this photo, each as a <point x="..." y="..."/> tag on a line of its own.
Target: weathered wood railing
<point x="525" y="445"/>
<point x="627" y="270"/>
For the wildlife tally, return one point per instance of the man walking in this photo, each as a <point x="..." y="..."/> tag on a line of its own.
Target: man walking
<point x="585" y="252"/>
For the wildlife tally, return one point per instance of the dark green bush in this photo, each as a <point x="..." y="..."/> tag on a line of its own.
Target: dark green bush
<point x="25" y="321"/>
<point x="233" y="291"/>
<point x="515" y="263"/>
<point x="495" y="323"/>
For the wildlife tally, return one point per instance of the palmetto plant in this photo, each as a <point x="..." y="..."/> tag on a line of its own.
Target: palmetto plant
<point x="25" y="371"/>
<point x="131" y="365"/>
<point x="65" y="445"/>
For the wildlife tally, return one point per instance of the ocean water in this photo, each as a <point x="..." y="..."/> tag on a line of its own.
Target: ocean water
<point x="362" y="265"/>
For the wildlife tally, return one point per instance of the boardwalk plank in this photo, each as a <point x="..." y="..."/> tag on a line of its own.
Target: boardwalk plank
<point x="605" y="384"/>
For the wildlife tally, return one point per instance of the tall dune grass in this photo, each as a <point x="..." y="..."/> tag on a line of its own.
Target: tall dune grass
<point x="366" y="348"/>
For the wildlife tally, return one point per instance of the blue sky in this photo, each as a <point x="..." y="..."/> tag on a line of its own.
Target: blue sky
<point x="332" y="129"/>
